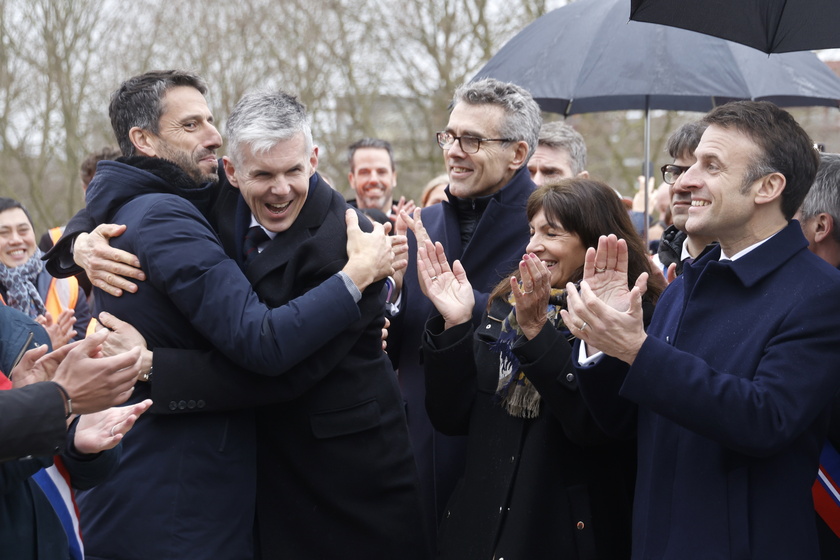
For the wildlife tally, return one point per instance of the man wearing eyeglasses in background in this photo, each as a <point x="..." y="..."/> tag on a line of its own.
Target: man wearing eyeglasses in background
<point x="492" y="132"/>
<point x="677" y="246"/>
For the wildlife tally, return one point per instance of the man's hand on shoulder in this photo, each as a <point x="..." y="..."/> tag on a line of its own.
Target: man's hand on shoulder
<point x="108" y="269"/>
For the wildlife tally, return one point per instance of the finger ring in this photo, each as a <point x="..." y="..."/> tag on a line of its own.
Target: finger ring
<point x="583" y="326"/>
<point x="114" y="427"/>
<point x="434" y="278"/>
<point x="600" y="270"/>
<point x="528" y="292"/>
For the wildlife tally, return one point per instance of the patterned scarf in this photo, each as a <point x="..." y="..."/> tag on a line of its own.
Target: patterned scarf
<point x="20" y="285"/>
<point x="515" y="391"/>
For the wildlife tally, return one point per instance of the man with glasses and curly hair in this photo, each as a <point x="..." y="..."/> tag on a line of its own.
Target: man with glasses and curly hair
<point x="491" y="134"/>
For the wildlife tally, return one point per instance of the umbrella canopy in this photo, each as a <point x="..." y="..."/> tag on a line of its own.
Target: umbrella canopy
<point x="772" y="26"/>
<point x="586" y="57"/>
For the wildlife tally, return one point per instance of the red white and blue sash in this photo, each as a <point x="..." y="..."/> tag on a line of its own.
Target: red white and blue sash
<point x="55" y="483"/>
<point x="826" y="489"/>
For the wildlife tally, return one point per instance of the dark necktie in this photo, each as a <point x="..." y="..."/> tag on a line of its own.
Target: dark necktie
<point x="253" y="239"/>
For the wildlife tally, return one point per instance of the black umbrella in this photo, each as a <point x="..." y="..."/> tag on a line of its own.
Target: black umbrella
<point x="772" y="26"/>
<point x="586" y="57"/>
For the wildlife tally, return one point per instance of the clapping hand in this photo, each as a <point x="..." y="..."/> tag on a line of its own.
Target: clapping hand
<point x="448" y="288"/>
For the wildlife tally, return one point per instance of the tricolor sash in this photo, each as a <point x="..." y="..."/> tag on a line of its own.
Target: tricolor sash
<point x="826" y="490"/>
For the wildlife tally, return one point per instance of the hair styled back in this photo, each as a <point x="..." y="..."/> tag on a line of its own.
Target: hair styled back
<point x="262" y="119"/>
<point x="589" y="209"/>
<point x="139" y="102"/>
<point x="559" y="135"/>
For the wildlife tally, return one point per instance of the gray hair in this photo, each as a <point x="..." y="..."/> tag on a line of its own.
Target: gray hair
<point x="370" y="143"/>
<point x="685" y="139"/>
<point x="824" y="195"/>
<point x="138" y="102"/>
<point x="522" y="114"/>
<point x="559" y="135"/>
<point x="262" y="119"/>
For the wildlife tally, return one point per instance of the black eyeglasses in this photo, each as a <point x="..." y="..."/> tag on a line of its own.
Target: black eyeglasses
<point x="671" y="172"/>
<point x="470" y="144"/>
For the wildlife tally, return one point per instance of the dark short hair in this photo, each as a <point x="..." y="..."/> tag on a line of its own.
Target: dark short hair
<point x="684" y="140"/>
<point x="590" y="209"/>
<point x="370" y="143"/>
<point x="824" y="195"/>
<point x="784" y="147"/>
<point x="139" y="102"/>
<point x="88" y="167"/>
<point x="9" y="203"/>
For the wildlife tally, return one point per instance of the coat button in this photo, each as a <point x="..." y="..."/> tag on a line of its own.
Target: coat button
<point x="191" y="404"/>
<point x="201" y="403"/>
<point x="570" y="377"/>
<point x="488" y="326"/>
<point x="182" y="405"/>
<point x="580" y="526"/>
<point x="173" y="405"/>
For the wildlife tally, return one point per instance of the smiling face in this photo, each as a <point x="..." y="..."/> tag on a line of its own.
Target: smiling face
<point x="186" y="135"/>
<point x="17" y="238"/>
<point x="722" y="207"/>
<point x="373" y="178"/>
<point x="491" y="168"/>
<point x="274" y="184"/>
<point x="561" y="251"/>
<point x="680" y="196"/>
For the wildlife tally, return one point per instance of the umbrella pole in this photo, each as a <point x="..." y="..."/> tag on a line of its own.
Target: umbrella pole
<point x="647" y="170"/>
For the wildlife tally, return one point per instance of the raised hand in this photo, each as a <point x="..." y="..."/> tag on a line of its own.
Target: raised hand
<point x="61" y="329"/>
<point x="448" y="288"/>
<point x="532" y="297"/>
<point x="94" y="382"/>
<point x="605" y="272"/>
<point x="415" y="224"/>
<point x="370" y="255"/>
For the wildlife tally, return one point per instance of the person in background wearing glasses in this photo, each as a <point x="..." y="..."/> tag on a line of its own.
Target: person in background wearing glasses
<point x="492" y="132"/>
<point x="676" y="245"/>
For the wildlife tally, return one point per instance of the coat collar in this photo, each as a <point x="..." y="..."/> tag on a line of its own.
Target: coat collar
<point x="757" y="264"/>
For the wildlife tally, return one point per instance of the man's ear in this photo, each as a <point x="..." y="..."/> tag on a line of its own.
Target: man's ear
<point x="313" y="161"/>
<point x="583" y="174"/>
<point x="823" y="227"/>
<point x="143" y="140"/>
<point x="230" y="172"/>
<point x="771" y="188"/>
<point x="519" y="155"/>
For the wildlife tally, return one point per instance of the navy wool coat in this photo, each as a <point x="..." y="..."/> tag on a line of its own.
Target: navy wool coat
<point x="729" y="398"/>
